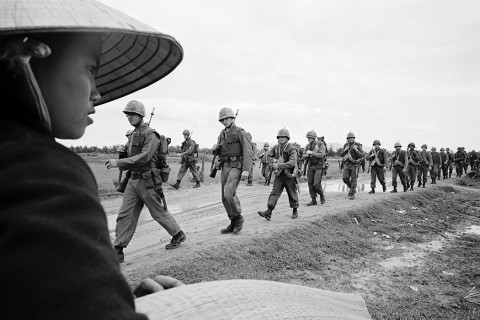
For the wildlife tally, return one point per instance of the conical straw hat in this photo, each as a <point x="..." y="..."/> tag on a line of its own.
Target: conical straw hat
<point x="134" y="55"/>
<point x="251" y="300"/>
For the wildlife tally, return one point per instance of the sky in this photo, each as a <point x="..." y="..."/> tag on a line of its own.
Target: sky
<point x="406" y="70"/>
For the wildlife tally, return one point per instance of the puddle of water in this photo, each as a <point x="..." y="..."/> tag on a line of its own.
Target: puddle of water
<point x="473" y="229"/>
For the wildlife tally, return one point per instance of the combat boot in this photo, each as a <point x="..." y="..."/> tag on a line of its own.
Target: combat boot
<point x="351" y="196"/>
<point x="176" y="240"/>
<point x="249" y="183"/>
<point x="372" y="191"/>
<point x="119" y="251"/>
<point x="434" y="180"/>
<point x="322" y="198"/>
<point x="176" y="185"/>
<point x="313" y="202"/>
<point x="197" y="185"/>
<point x="419" y="184"/>
<point x="384" y="187"/>
<point x="295" y="214"/>
<point x="423" y="185"/>
<point x="411" y="188"/>
<point x="405" y="188"/>
<point x="238" y="224"/>
<point x="230" y="227"/>
<point x="267" y="214"/>
<point x="394" y="190"/>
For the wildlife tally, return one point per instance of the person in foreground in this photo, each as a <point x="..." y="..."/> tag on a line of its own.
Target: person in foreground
<point x="57" y="258"/>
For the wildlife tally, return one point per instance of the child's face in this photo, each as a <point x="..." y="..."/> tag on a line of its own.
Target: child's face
<point x="66" y="79"/>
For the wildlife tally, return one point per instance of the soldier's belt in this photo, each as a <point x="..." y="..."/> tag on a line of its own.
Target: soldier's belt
<point x="140" y="175"/>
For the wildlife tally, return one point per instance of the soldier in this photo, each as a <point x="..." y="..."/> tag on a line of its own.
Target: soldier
<point x="285" y="174"/>
<point x="315" y="154"/>
<point x="450" y="162"/>
<point x="266" y="161"/>
<point x="444" y="161"/>
<point x="413" y="164"/>
<point x="144" y="186"/>
<point x="57" y="256"/>
<point x="425" y="166"/>
<point x="352" y="154"/>
<point x="377" y="165"/>
<point x="235" y="150"/>
<point x="436" y="164"/>
<point x="187" y="160"/>
<point x="465" y="162"/>
<point x="473" y="159"/>
<point x="254" y="158"/>
<point x="459" y="159"/>
<point x="399" y="167"/>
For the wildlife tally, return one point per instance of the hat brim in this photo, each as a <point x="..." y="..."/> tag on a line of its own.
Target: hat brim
<point x="134" y="55"/>
<point x="251" y="299"/>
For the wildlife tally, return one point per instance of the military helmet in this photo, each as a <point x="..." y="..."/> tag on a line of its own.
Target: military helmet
<point x="442" y="149"/>
<point x="376" y="141"/>
<point x="283" y="133"/>
<point x="434" y="149"/>
<point x="311" y="134"/>
<point x="350" y="135"/>
<point x="136" y="107"/>
<point x="448" y="149"/>
<point x="411" y="144"/>
<point x="225" y="113"/>
<point x="397" y="144"/>
<point x="424" y="146"/>
<point x="186" y="131"/>
<point x="266" y="144"/>
<point x="459" y="148"/>
<point x="129" y="132"/>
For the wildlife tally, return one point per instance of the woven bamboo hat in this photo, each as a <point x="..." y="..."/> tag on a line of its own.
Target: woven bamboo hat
<point x="251" y="299"/>
<point x="134" y="55"/>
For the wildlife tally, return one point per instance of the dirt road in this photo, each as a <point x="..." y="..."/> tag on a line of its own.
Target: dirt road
<point x="201" y="214"/>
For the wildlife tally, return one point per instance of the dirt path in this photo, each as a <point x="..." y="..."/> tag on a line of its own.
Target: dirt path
<point x="201" y="215"/>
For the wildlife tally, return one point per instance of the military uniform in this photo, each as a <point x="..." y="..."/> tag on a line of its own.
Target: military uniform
<point x="254" y="158"/>
<point x="266" y="161"/>
<point x="141" y="188"/>
<point x="459" y="158"/>
<point x="425" y="164"/>
<point x="473" y="159"/>
<point x="399" y="167"/>
<point x="315" y="162"/>
<point x="353" y="155"/>
<point x="377" y="163"/>
<point x="450" y="162"/>
<point x="444" y="164"/>
<point x="188" y="161"/>
<point x="436" y="165"/>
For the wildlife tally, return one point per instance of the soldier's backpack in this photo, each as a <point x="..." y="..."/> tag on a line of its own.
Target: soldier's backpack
<point x="162" y="153"/>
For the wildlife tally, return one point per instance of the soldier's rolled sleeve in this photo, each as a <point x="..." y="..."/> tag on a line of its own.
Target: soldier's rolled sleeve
<point x="145" y="156"/>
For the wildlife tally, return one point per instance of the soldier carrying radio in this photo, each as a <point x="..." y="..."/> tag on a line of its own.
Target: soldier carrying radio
<point x="234" y="149"/>
<point x="314" y="155"/>
<point x="284" y="170"/>
<point x="144" y="185"/>
<point x="189" y="147"/>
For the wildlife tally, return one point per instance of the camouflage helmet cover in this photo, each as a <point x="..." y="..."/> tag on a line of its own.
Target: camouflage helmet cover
<point x="448" y="149"/>
<point x="376" y="141"/>
<point x="411" y="144"/>
<point x="424" y="146"/>
<point x="283" y="133"/>
<point x="397" y="144"/>
<point x="186" y="131"/>
<point x="350" y="135"/>
<point x="136" y="107"/>
<point x="225" y="113"/>
<point x="311" y="134"/>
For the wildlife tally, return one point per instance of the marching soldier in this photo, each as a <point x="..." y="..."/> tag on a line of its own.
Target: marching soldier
<point x="436" y="165"/>
<point x="235" y="150"/>
<point x="473" y="159"/>
<point x="399" y="166"/>
<point x="465" y="162"/>
<point x="459" y="158"/>
<point x="425" y="166"/>
<point x="315" y="154"/>
<point x="142" y="187"/>
<point x="352" y="154"/>
<point x="450" y="162"/>
<point x="187" y="161"/>
<point x="254" y="158"/>
<point x="266" y="161"/>
<point x="413" y="164"/>
<point x="285" y="174"/>
<point x="444" y="163"/>
<point x="377" y="165"/>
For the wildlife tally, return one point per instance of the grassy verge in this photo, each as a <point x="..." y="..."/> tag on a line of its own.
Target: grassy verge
<point x="344" y="252"/>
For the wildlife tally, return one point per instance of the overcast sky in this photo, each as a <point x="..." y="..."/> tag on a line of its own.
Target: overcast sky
<point x="406" y="70"/>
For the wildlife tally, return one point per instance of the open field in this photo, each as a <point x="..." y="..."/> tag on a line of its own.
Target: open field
<point x="411" y="255"/>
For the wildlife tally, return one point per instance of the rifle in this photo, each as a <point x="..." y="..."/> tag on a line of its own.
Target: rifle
<point x="305" y="165"/>
<point x="271" y="172"/>
<point x="213" y="168"/>
<point x="151" y="116"/>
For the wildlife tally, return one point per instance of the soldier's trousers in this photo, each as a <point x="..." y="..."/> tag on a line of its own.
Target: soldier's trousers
<point x="398" y="171"/>
<point x="230" y="179"/>
<point x="265" y="170"/>
<point x="184" y="168"/>
<point x="422" y="175"/>
<point x="314" y="179"/>
<point x="377" y="172"/>
<point x="411" y="174"/>
<point x="138" y="193"/>
<point x="450" y="168"/>
<point x="349" y="176"/>
<point x="445" y="170"/>
<point x="283" y="182"/>
<point x="250" y="173"/>
<point x="459" y="168"/>
<point x="435" y="171"/>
